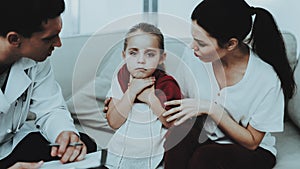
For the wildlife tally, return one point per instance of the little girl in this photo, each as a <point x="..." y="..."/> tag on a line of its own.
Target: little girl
<point x="138" y="93"/>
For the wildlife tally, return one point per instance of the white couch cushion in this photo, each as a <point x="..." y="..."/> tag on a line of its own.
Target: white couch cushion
<point x="293" y="105"/>
<point x="291" y="48"/>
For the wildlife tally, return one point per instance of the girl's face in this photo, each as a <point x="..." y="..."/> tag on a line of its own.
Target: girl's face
<point x="205" y="47"/>
<point x="142" y="55"/>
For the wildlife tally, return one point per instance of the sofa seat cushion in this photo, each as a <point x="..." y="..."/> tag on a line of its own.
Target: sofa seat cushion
<point x="291" y="48"/>
<point x="288" y="147"/>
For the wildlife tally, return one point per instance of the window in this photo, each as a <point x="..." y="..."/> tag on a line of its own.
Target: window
<point x="88" y="16"/>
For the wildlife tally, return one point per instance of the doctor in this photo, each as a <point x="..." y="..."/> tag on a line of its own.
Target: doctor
<point x="29" y="32"/>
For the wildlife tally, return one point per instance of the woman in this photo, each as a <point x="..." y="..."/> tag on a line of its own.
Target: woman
<point x="242" y="89"/>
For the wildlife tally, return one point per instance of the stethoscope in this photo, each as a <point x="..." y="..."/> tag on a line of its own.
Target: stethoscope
<point x="21" y="99"/>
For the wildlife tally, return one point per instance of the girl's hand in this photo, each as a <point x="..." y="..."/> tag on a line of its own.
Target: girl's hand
<point x="136" y="86"/>
<point x="146" y="95"/>
<point x="186" y="109"/>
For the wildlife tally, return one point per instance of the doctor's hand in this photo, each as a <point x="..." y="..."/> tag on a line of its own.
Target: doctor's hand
<point x="66" y="152"/>
<point x="27" y="165"/>
<point x="186" y="109"/>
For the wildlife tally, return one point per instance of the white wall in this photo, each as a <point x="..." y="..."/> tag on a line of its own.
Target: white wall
<point x="96" y="14"/>
<point x="285" y="12"/>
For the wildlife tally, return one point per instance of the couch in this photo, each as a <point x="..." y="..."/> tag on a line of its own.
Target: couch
<point x="84" y="66"/>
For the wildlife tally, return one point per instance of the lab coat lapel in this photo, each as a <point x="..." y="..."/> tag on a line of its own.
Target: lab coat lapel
<point x="18" y="80"/>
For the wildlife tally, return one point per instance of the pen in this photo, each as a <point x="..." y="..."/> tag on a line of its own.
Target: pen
<point x="70" y="145"/>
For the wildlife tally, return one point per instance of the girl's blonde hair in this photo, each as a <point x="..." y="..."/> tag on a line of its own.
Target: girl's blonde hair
<point x="150" y="29"/>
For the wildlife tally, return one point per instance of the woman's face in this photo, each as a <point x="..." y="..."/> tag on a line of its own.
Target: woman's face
<point x="142" y="55"/>
<point x="205" y="47"/>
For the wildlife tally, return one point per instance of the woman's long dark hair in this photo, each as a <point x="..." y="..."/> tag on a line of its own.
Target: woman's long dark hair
<point x="233" y="19"/>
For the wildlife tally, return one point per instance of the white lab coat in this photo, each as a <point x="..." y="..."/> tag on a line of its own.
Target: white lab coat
<point x="31" y="87"/>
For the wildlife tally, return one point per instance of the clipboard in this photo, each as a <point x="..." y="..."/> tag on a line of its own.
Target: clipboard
<point x="92" y="160"/>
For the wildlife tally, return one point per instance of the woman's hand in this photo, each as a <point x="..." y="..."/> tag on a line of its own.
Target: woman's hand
<point x="27" y="165"/>
<point x="186" y="109"/>
<point x="106" y="103"/>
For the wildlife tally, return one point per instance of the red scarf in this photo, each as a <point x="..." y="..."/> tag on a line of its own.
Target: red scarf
<point x="166" y="87"/>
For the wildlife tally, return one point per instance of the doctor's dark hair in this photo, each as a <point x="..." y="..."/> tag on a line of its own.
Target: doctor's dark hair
<point x="228" y="19"/>
<point x="26" y="16"/>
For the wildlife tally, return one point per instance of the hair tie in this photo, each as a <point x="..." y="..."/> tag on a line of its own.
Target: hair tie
<point x="252" y="10"/>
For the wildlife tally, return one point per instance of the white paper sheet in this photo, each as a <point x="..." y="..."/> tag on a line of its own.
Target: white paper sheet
<point x="91" y="160"/>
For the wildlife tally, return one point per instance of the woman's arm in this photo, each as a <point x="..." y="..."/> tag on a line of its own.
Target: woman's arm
<point x="248" y="137"/>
